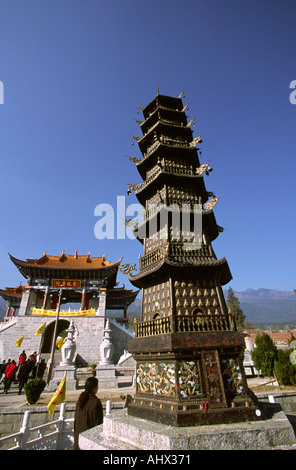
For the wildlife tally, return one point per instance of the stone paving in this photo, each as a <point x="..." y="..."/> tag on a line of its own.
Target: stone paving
<point x="13" y="400"/>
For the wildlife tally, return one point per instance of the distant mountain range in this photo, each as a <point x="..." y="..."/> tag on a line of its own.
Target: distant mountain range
<point x="266" y="307"/>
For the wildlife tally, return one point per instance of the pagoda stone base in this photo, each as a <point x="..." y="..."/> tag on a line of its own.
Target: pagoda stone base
<point x="191" y="379"/>
<point x="59" y="372"/>
<point x="186" y="417"/>
<point x="122" y="432"/>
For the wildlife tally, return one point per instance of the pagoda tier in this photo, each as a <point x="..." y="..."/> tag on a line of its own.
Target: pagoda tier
<point x="187" y="348"/>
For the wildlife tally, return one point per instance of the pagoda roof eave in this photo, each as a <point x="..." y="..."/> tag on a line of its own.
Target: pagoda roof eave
<point x="163" y="98"/>
<point x="160" y="123"/>
<point x="141" y="193"/>
<point x="162" y="109"/>
<point x="215" y="269"/>
<point x="162" y="147"/>
<point x="209" y="220"/>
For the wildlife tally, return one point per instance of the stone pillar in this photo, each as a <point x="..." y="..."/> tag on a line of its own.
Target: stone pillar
<point x="105" y="371"/>
<point x="67" y="365"/>
<point x="106" y="348"/>
<point x="45" y="298"/>
<point x="101" y="311"/>
<point x="25" y="303"/>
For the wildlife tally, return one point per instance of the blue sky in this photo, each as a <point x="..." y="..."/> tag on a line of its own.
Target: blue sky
<point x="74" y="72"/>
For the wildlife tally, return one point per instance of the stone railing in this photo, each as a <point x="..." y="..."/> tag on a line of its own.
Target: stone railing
<point x="185" y="324"/>
<point x="154" y="256"/>
<point x="55" y="435"/>
<point x="8" y="323"/>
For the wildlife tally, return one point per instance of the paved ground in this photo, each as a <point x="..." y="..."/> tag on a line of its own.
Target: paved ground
<point x="13" y="399"/>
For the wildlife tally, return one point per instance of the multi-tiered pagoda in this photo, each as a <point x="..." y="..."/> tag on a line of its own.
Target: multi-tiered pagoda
<point x="187" y="348"/>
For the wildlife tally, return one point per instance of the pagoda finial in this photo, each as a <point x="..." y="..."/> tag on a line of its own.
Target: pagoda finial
<point x="76" y="253"/>
<point x="157" y="89"/>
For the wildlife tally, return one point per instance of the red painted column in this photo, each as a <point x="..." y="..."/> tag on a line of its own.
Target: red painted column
<point x="7" y="314"/>
<point x="86" y="301"/>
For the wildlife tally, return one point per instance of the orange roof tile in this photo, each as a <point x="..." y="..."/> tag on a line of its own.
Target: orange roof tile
<point x="277" y="336"/>
<point x="66" y="261"/>
<point x="13" y="291"/>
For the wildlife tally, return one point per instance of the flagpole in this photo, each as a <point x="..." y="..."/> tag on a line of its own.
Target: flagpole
<point x="54" y="338"/>
<point x="39" y="353"/>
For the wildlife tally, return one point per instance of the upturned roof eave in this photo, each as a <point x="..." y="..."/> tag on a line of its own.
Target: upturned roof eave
<point x="140" y="279"/>
<point x="26" y="265"/>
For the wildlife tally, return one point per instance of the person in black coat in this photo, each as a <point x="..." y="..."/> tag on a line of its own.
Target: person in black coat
<point x="88" y="411"/>
<point x="23" y="375"/>
<point x="40" y="369"/>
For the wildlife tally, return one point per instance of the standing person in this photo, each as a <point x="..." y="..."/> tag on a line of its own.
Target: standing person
<point x="23" y="375"/>
<point x="9" y="375"/>
<point x="40" y="369"/>
<point x="22" y="358"/>
<point x="30" y="365"/>
<point x="88" y="411"/>
<point x="2" y="370"/>
<point x="32" y="359"/>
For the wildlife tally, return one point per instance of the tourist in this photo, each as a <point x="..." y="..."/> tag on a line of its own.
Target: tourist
<point x="9" y="375"/>
<point x="22" y="358"/>
<point x="23" y="375"/>
<point x="40" y="369"/>
<point x="2" y="370"/>
<point x="31" y="364"/>
<point x="88" y="411"/>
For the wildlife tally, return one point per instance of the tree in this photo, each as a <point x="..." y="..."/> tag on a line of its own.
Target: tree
<point x="33" y="390"/>
<point x="264" y="354"/>
<point x="284" y="370"/>
<point x="234" y="305"/>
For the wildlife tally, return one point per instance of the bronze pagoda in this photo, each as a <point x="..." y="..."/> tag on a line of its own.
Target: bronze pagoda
<point x="188" y="351"/>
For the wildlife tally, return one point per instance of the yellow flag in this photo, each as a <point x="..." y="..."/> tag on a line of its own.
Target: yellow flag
<point x="59" y="396"/>
<point x="60" y="342"/>
<point x="19" y="341"/>
<point x="40" y="330"/>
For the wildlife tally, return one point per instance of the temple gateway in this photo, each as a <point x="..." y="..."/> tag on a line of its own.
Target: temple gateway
<point x="89" y="294"/>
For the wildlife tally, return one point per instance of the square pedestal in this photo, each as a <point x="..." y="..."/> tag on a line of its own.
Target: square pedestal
<point x="59" y="372"/>
<point x="106" y="377"/>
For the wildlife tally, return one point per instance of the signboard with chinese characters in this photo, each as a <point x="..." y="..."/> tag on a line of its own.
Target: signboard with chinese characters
<point x="66" y="283"/>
